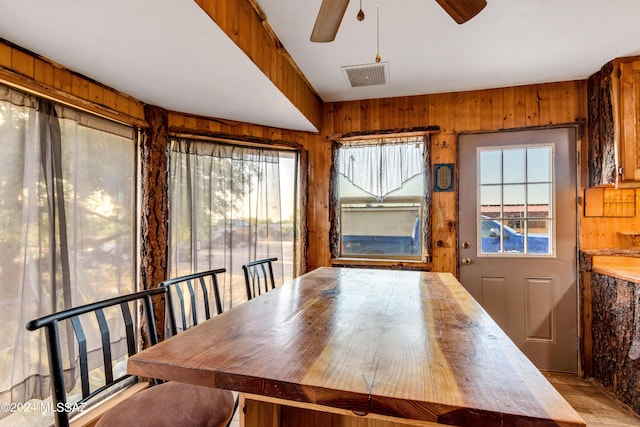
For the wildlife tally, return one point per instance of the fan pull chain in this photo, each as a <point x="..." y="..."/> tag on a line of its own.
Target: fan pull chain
<point x="378" y="31"/>
<point x="360" y="15"/>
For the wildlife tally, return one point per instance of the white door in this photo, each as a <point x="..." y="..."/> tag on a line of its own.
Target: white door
<point x="518" y="238"/>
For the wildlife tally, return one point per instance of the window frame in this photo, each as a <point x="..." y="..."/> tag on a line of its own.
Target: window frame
<point x="418" y="262"/>
<point x="79" y="131"/>
<point x="298" y="155"/>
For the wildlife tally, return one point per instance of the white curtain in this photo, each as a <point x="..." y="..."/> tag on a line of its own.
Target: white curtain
<point x="381" y="167"/>
<point x="229" y="205"/>
<point x="67" y="235"/>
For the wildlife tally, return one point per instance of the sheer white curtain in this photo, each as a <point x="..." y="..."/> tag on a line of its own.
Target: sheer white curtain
<point x="67" y="203"/>
<point x="229" y="205"/>
<point x="382" y="166"/>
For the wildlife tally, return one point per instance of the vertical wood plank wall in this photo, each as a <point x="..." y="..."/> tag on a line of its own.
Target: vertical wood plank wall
<point x="601" y="232"/>
<point x="41" y="76"/>
<point x="473" y="111"/>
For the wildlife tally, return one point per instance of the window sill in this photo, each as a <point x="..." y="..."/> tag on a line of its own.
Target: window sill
<point x="379" y="263"/>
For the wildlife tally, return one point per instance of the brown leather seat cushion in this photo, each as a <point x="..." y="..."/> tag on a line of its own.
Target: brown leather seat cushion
<point x="172" y="404"/>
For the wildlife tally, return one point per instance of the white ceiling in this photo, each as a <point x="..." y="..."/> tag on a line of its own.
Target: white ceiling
<point x="169" y="53"/>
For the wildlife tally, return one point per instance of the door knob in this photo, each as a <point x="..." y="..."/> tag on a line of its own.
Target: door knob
<point x="466" y="261"/>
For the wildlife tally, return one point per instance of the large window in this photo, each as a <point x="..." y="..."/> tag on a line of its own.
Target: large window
<point x="381" y="198"/>
<point x="67" y="207"/>
<point x="230" y="205"/>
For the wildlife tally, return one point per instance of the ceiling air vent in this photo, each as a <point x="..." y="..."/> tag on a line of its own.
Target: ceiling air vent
<point x="367" y="74"/>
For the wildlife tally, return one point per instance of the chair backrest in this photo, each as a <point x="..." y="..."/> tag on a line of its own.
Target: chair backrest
<point x="96" y="327"/>
<point x="258" y="276"/>
<point x="189" y="299"/>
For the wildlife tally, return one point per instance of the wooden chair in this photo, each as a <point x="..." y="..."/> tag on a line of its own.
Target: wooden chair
<point x="93" y="329"/>
<point x="258" y="276"/>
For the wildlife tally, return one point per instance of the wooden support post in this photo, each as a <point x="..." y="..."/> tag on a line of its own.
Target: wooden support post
<point x="154" y="153"/>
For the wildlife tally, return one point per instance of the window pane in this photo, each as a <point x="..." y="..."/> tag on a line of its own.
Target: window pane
<point x="490" y="167"/>
<point x="490" y="200"/>
<point x="490" y="235"/>
<point x="513" y="166"/>
<point x="513" y="236"/>
<point x="539" y="235"/>
<point x="539" y="200"/>
<point x="380" y="229"/>
<point x="100" y="170"/>
<point x="514" y="198"/>
<point x="539" y="164"/>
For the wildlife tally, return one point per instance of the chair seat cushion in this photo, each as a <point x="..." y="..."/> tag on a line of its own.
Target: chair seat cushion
<point x="172" y="404"/>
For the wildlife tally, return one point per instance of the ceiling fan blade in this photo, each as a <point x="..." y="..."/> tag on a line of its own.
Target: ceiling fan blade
<point x="328" y="20"/>
<point x="462" y="10"/>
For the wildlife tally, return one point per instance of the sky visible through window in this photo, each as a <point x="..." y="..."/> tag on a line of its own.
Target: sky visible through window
<point x="287" y="185"/>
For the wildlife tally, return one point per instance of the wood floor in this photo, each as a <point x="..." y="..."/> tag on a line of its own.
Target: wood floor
<point x="596" y="406"/>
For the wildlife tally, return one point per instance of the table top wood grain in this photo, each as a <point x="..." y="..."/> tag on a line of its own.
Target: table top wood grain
<point x="400" y="343"/>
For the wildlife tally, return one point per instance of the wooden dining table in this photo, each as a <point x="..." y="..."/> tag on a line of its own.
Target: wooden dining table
<point x="362" y="347"/>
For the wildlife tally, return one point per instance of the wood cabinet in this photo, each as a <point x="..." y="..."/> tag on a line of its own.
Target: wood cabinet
<point x="626" y="112"/>
<point x="613" y="95"/>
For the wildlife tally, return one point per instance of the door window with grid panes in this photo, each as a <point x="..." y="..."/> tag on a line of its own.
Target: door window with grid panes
<point x="516" y="201"/>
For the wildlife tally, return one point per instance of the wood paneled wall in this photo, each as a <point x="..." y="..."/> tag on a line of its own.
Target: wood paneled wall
<point x="604" y="232"/>
<point x="41" y="76"/>
<point x="180" y="122"/>
<point x="474" y="111"/>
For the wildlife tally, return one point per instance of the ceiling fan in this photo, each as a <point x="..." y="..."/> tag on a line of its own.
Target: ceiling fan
<point x="332" y="11"/>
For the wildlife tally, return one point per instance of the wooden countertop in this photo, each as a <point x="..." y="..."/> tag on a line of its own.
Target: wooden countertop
<point x="404" y="344"/>
<point x="622" y="267"/>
